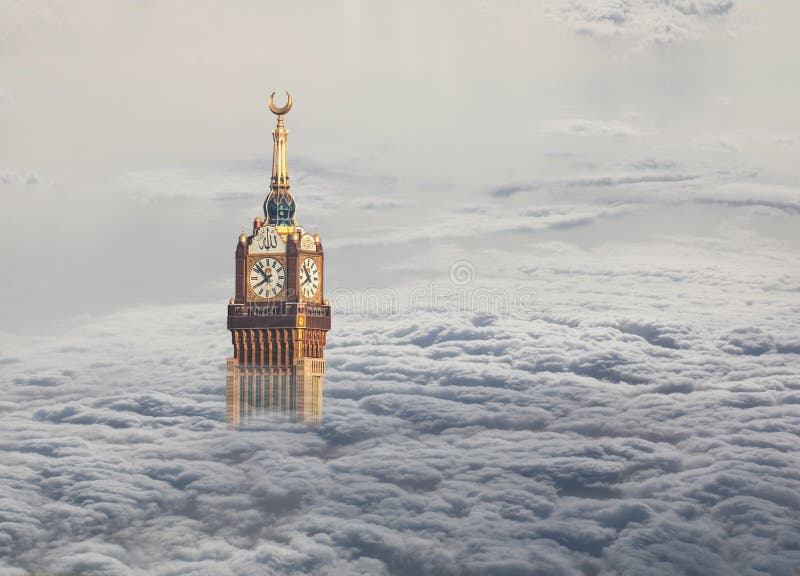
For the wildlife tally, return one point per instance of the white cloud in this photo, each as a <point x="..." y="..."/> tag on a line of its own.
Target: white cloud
<point x="646" y="21"/>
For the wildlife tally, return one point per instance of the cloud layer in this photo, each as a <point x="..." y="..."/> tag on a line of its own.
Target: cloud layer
<point x="636" y="418"/>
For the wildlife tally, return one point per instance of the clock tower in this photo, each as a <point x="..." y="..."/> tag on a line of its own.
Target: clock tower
<point x="278" y="317"/>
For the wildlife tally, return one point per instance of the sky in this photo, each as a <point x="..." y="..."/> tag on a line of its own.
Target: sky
<point x="560" y="242"/>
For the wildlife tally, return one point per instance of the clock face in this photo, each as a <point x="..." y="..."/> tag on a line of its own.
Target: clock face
<point x="267" y="277"/>
<point x="309" y="278"/>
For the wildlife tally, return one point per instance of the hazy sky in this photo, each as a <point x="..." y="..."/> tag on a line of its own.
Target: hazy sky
<point x="629" y="165"/>
<point x="137" y="141"/>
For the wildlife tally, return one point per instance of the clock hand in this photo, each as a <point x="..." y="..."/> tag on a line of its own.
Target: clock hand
<point x="263" y="271"/>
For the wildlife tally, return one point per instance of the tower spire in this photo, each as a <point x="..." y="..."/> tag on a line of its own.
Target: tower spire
<point x="279" y="206"/>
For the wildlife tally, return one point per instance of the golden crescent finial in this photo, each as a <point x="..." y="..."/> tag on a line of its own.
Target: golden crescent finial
<point x="282" y="110"/>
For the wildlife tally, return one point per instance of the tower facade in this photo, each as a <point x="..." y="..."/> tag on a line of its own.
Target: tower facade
<point x="278" y="316"/>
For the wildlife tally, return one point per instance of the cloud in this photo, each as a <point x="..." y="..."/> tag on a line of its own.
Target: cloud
<point x="12" y="177"/>
<point x="648" y="22"/>
<point x="604" y="181"/>
<point x="648" y="186"/>
<point x="584" y="127"/>
<point x="751" y="340"/>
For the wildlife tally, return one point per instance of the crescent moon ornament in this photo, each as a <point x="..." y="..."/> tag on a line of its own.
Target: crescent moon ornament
<point x="280" y="110"/>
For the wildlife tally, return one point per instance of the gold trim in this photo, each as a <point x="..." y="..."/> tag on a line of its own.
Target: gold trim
<point x="284" y="231"/>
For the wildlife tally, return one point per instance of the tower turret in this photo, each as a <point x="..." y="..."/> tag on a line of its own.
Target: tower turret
<point x="279" y="206"/>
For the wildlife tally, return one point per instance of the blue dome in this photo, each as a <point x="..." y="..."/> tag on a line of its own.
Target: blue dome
<point x="279" y="208"/>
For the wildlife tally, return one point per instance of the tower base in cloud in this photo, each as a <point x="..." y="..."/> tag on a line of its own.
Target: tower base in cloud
<point x="254" y="391"/>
